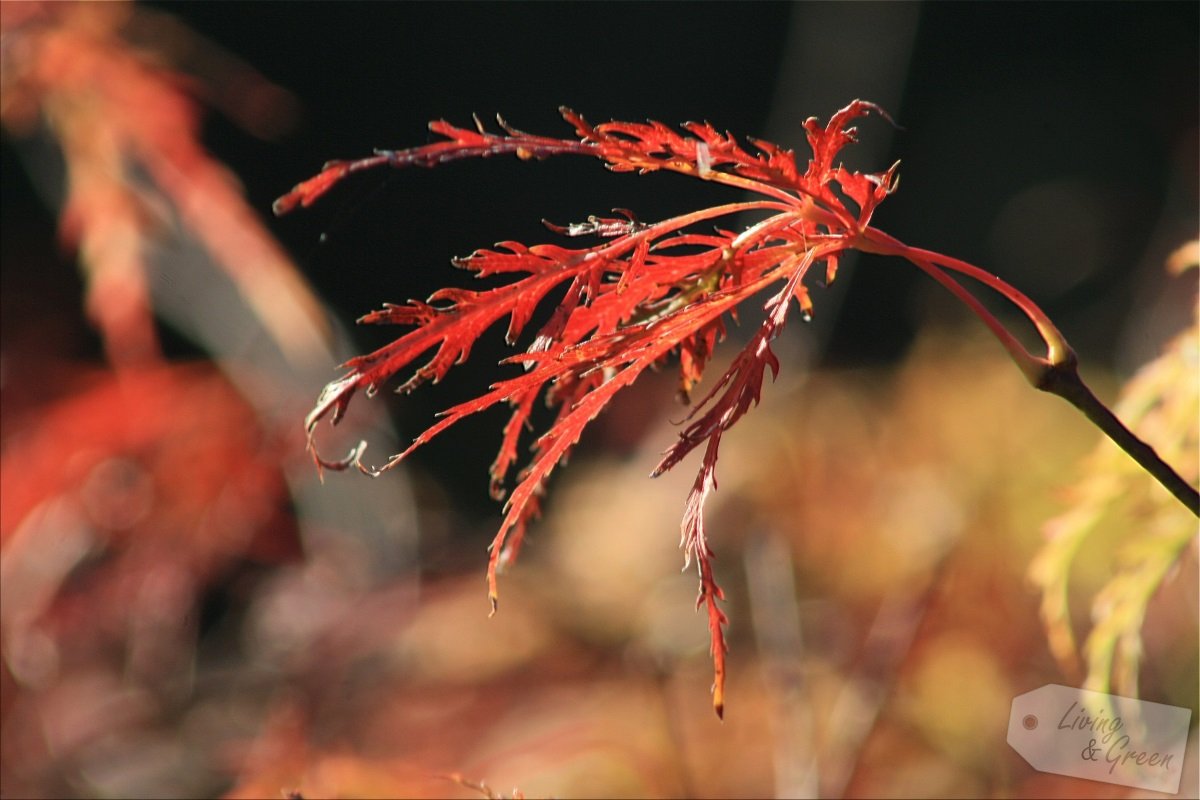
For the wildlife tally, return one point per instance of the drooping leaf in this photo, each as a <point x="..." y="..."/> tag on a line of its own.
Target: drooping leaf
<point x="647" y="292"/>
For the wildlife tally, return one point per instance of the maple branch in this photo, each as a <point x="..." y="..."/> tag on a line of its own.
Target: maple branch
<point x="1057" y="373"/>
<point x="1064" y="381"/>
<point x="654" y="290"/>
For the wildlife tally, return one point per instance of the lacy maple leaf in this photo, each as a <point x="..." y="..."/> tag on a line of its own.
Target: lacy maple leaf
<point x="643" y="293"/>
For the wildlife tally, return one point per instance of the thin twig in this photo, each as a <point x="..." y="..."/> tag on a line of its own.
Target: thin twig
<point x="1064" y="381"/>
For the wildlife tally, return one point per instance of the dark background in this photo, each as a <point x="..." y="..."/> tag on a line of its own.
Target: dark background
<point x="1054" y="144"/>
<point x="993" y="100"/>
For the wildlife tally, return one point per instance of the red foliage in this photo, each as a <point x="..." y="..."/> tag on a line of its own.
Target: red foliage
<point x="641" y="294"/>
<point x="126" y="501"/>
<point x="129" y="132"/>
<point x="109" y="458"/>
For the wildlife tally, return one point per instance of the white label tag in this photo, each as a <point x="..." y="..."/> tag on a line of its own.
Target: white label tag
<point x="1100" y="737"/>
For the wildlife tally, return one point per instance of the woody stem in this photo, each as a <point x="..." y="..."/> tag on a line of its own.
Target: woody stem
<point x="1057" y="373"/>
<point x="1064" y="381"/>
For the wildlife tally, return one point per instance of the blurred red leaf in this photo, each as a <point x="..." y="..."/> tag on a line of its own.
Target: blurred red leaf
<point x="137" y="477"/>
<point x="129" y="131"/>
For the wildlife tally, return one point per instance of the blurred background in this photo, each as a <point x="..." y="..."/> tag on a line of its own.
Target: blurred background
<point x="189" y="611"/>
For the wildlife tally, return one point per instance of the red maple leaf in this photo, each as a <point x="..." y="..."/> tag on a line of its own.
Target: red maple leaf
<point x="642" y="293"/>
